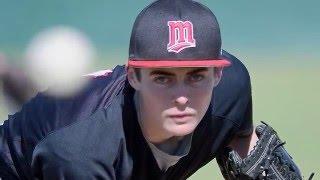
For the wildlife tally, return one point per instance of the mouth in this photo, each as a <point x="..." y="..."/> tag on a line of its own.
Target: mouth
<point x="181" y="118"/>
<point x="180" y="115"/>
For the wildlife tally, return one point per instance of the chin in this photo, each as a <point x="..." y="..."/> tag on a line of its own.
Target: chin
<point x="181" y="129"/>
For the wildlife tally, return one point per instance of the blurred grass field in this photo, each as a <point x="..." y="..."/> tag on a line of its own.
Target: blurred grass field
<point x="288" y="99"/>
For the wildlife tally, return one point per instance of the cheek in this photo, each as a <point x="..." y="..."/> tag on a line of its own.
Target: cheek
<point x="204" y="88"/>
<point x="155" y="98"/>
<point x="154" y="93"/>
<point x="201" y="97"/>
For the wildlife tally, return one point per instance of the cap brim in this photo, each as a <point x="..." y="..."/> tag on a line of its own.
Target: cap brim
<point x="178" y="63"/>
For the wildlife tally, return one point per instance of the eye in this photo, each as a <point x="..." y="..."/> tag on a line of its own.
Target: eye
<point x="196" y="77"/>
<point x="162" y="79"/>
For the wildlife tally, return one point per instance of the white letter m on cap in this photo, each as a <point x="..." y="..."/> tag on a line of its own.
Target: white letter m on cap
<point x="180" y="36"/>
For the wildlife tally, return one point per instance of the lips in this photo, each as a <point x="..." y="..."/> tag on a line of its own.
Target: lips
<point x="180" y="115"/>
<point x="181" y="118"/>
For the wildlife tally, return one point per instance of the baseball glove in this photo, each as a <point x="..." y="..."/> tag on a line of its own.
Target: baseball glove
<point x="268" y="160"/>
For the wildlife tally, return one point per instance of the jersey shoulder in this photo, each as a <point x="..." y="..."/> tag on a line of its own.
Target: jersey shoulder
<point x="232" y="98"/>
<point x="44" y="114"/>
<point x="89" y="143"/>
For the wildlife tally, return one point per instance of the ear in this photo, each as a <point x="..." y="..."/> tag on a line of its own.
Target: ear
<point x="132" y="78"/>
<point x="217" y="75"/>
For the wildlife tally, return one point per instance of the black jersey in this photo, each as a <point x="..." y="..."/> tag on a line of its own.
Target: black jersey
<point x="95" y="134"/>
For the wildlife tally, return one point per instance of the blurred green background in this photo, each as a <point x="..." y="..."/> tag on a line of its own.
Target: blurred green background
<point x="278" y="41"/>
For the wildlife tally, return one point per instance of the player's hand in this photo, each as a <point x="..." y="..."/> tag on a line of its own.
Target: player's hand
<point x="244" y="144"/>
<point x="267" y="160"/>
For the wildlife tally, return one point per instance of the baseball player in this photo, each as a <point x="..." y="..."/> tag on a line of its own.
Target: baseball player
<point x="162" y="116"/>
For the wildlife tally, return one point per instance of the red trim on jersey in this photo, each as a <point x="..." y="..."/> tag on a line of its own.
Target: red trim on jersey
<point x="100" y="73"/>
<point x="177" y="63"/>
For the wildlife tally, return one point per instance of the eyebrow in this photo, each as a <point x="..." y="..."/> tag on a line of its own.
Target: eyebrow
<point x="162" y="72"/>
<point x="202" y="69"/>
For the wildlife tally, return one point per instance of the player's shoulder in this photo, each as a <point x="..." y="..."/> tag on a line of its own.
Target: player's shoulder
<point x="94" y="138"/>
<point x="235" y="79"/>
<point x="45" y="114"/>
<point x="116" y="72"/>
<point x="105" y="78"/>
<point x="227" y="55"/>
<point x="237" y="68"/>
<point x="232" y="98"/>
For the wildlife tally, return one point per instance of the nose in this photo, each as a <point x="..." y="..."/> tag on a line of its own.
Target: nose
<point x="180" y="94"/>
<point x="182" y="100"/>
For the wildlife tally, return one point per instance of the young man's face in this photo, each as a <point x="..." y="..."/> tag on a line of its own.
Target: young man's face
<point x="173" y="100"/>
